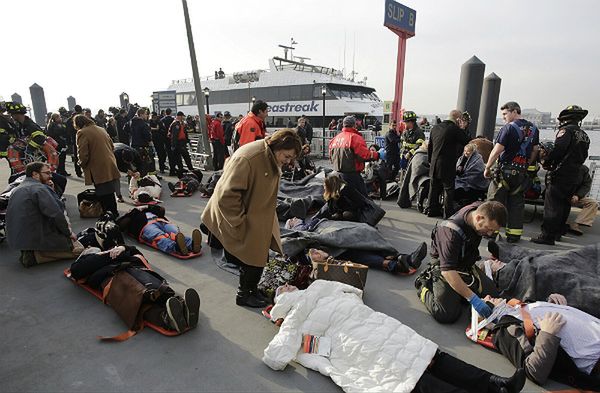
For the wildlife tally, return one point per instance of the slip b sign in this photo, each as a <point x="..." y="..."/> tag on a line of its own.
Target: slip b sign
<point x="400" y="18"/>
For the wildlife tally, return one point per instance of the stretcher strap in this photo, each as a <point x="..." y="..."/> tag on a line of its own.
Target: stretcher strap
<point x="526" y="316"/>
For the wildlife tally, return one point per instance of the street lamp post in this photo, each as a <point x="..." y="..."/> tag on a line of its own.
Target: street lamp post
<point x="253" y="100"/>
<point x="324" y="93"/>
<point x="206" y="94"/>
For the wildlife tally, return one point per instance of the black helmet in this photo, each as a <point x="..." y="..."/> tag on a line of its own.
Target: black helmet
<point x="547" y="145"/>
<point x="466" y="117"/>
<point x="15" y="107"/>
<point x="572" y="112"/>
<point x="409" y="116"/>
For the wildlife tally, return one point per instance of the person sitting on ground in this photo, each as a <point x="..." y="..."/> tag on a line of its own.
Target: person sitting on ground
<point x="588" y="205"/>
<point x="35" y="220"/>
<point x="148" y="223"/>
<point x="415" y="182"/>
<point x="368" y="351"/>
<point x="305" y="166"/>
<point x="159" y="305"/>
<point x="550" y="340"/>
<point x="377" y="174"/>
<point x="188" y="183"/>
<point x="342" y="200"/>
<point x="144" y="189"/>
<point x="470" y="185"/>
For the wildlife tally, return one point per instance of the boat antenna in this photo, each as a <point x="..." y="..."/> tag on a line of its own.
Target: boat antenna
<point x="344" y="69"/>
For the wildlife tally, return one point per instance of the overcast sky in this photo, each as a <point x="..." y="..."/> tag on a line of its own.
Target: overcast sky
<point x="545" y="51"/>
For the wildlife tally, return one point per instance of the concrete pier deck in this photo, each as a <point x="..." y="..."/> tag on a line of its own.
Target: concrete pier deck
<point x="49" y="326"/>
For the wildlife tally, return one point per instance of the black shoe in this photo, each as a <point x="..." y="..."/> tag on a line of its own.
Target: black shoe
<point x="249" y="299"/>
<point x="171" y="186"/>
<point x="512" y="238"/>
<point x="181" y="245"/>
<point x="513" y="384"/>
<point x="159" y="177"/>
<point x="493" y="249"/>
<point x="192" y="307"/>
<point x="196" y="241"/>
<point x="434" y="213"/>
<point x="176" y="315"/>
<point x="400" y="265"/>
<point x="27" y="259"/>
<point x="415" y="259"/>
<point x="542" y="239"/>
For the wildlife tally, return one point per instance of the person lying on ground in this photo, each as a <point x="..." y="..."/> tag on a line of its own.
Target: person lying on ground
<point x="35" y="220"/>
<point x="369" y="351"/>
<point x="144" y="189"/>
<point x="187" y="184"/>
<point x="159" y="304"/>
<point x="470" y="185"/>
<point x="399" y="263"/>
<point x="149" y="224"/>
<point x="563" y="344"/>
<point x="105" y="234"/>
<point x="531" y="275"/>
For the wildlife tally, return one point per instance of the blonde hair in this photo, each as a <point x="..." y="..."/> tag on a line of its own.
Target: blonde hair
<point x="471" y="147"/>
<point x="333" y="185"/>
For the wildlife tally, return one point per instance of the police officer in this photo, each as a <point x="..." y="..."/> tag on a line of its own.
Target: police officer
<point x="563" y="163"/>
<point x="515" y="149"/>
<point x="412" y="138"/>
<point x="452" y="276"/>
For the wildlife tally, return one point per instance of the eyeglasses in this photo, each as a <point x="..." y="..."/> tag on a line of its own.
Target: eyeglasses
<point x="46" y="172"/>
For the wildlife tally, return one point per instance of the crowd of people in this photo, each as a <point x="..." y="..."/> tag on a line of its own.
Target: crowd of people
<point x="477" y="187"/>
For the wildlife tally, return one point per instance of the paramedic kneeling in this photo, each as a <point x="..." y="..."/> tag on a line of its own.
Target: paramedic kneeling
<point x="452" y="275"/>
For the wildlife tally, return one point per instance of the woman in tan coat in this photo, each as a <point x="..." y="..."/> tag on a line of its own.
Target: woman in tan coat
<point x="240" y="215"/>
<point x="96" y="158"/>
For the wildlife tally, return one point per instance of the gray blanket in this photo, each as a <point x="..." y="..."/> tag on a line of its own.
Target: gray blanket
<point x="296" y="199"/>
<point x="532" y="275"/>
<point x="335" y="237"/>
<point x="416" y="173"/>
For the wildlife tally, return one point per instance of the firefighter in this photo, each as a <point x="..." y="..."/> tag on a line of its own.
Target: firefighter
<point x="563" y="163"/>
<point x="412" y="138"/>
<point x="8" y="131"/>
<point x="515" y="149"/>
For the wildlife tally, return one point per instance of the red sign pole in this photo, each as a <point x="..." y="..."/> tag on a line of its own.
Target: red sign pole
<point x="397" y="104"/>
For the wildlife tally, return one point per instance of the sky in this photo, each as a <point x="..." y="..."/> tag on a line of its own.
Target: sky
<point x="545" y="51"/>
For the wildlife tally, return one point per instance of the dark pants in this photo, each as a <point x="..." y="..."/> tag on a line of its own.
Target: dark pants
<point x="394" y="165"/>
<point x="510" y="194"/>
<point x="161" y="152"/>
<point x="105" y="192"/>
<point x="62" y="157"/>
<point x="249" y="275"/>
<point x="448" y="374"/>
<point x="557" y="207"/>
<point x="75" y="159"/>
<point x="442" y="302"/>
<point x="147" y="157"/>
<point x="356" y="181"/>
<point x="370" y="259"/>
<point x="218" y="155"/>
<point x="180" y="152"/>
<point x="436" y="187"/>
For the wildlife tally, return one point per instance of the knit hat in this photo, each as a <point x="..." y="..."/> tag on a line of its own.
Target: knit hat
<point x="349" y="121"/>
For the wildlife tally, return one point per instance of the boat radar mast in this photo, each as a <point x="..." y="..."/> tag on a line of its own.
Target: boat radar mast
<point x="290" y="48"/>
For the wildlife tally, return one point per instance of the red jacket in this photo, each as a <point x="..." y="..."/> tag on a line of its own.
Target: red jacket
<point x="250" y="128"/>
<point x="216" y="131"/>
<point x="348" y="151"/>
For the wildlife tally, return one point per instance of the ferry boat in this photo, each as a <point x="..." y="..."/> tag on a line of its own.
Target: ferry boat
<point x="290" y="86"/>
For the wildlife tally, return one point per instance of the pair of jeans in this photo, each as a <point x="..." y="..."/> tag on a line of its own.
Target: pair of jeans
<point x="165" y="244"/>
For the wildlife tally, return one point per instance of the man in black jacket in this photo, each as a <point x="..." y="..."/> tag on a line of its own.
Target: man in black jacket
<point x="392" y="150"/>
<point x="166" y="121"/>
<point x="141" y="139"/>
<point x="179" y="142"/>
<point x="159" y="137"/>
<point x="444" y="140"/>
<point x="71" y="132"/>
<point x="227" y="131"/>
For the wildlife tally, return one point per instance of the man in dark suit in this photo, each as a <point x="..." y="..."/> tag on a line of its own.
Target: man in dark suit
<point x="444" y="140"/>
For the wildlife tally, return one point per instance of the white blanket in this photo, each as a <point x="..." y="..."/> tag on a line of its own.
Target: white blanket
<point x="370" y="351"/>
<point x="153" y="190"/>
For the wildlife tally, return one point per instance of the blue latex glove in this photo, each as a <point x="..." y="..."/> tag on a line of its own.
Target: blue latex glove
<point x="480" y="306"/>
<point x="381" y="154"/>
